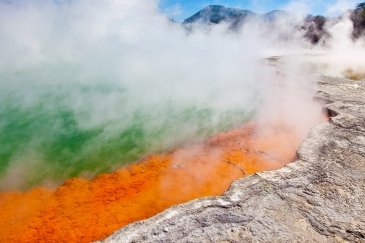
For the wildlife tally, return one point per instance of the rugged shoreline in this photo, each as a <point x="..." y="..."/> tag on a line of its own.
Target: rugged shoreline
<point x="318" y="198"/>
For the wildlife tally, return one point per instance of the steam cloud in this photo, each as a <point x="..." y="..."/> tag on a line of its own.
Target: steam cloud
<point x="89" y="85"/>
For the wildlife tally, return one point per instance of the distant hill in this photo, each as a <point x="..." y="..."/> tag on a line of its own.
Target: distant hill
<point x="234" y="17"/>
<point x="215" y="14"/>
<point x="312" y="26"/>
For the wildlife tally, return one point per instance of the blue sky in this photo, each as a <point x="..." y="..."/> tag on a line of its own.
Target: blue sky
<point x="181" y="9"/>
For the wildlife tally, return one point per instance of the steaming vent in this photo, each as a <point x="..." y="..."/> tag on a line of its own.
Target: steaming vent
<point x="331" y="113"/>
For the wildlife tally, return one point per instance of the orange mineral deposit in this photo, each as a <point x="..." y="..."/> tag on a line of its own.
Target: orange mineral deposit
<point x="82" y="211"/>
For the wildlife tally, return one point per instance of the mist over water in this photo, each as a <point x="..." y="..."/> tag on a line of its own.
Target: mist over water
<point x="58" y="132"/>
<point x="83" y="92"/>
<point x="88" y="86"/>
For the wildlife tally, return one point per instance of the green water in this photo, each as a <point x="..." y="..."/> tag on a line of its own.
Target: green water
<point x="53" y="133"/>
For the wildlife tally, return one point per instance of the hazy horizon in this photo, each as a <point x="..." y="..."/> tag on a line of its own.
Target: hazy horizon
<point x="180" y="10"/>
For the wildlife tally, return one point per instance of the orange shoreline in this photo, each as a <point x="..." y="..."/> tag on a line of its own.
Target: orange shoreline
<point x="87" y="210"/>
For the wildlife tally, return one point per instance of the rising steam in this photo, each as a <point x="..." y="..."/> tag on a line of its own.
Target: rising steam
<point x="86" y="86"/>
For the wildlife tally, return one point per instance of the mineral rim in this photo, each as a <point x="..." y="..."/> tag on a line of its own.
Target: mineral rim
<point x="318" y="198"/>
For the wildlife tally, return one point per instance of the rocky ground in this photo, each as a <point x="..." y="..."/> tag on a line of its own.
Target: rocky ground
<point x="318" y="198"/>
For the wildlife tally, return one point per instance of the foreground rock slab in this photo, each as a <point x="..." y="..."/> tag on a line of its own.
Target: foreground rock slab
<point x="318" y="198"/>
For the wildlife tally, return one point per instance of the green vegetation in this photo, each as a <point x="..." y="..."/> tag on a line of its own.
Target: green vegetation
<point x="361" y="6"/>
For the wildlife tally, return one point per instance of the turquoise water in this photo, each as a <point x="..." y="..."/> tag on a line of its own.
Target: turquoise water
<point x="50" y="133"/>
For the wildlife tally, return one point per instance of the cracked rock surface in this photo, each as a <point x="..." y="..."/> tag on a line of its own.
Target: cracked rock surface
<point x="318" y="198"/>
